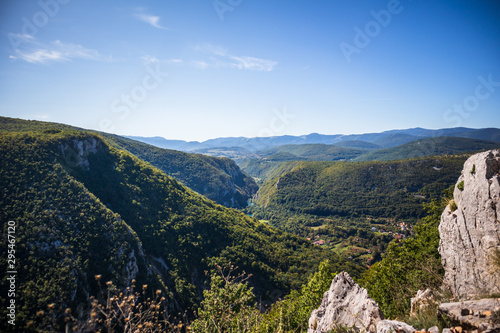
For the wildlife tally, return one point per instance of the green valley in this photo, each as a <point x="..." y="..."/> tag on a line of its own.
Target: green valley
<point x="84" y="208"/>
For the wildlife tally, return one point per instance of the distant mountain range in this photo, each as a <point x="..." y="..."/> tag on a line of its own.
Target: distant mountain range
<point x="385" y="139"/>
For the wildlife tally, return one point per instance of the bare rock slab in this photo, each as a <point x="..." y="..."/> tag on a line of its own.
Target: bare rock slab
<point x="345" y="304"/>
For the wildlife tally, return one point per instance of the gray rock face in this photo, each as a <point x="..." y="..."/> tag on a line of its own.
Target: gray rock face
<point x="471" y="232"/>
<point x="345" y="304"/>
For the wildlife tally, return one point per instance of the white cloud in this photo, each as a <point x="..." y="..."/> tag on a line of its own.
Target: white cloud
<point x="149" y="59"/>
<point x="150" y="19"/>
<point x="254" y="64"/>
<point x="220" y="58"/>
<point x="33" y="51"/>
<point x="41" y="56"/>
<point x="211" y="49"/>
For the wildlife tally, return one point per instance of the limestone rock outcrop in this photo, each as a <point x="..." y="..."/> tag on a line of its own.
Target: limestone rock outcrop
<point x="345" y="304"/>
<point x="422" y="302"/>
<point x="470" y="229"/>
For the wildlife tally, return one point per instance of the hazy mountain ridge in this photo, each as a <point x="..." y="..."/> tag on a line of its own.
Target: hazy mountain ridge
<point x="385" y="139"/>
<point x="429" y="147"/>
<point x="262" y="168"/>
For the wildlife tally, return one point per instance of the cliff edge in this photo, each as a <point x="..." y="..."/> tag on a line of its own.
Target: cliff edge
<point x="470" y="229"/>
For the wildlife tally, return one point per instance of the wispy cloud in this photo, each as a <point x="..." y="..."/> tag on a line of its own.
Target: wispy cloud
<point x="150" y="19"/>
<point x="219" y="57"/>
<point x="211" y="49"/>
<point x="34" y="52"/>
<point x="147" y="59"/>
<point x="253" y="64"/>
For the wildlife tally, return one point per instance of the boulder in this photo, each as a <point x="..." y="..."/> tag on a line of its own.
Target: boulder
<point x="423" y="302"/>
<point x="433" y="329"/>
<point x="470" y="229"/>
<point x="393" y="326"/>
<point x="345" y="304"/>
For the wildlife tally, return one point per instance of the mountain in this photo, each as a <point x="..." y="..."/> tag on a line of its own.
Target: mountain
<point x="160" y="142"/>
<point x="263" y="168"/>
<point x="82" y="208"/>
<point x="385" y="139"/>
<point x="429" y="147"/>
<point x="219" y="179"/>
<point x="394" y="189"/>
<point x="357" y="144"/>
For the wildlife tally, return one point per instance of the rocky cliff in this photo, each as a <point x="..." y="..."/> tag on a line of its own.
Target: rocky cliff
<point x="470" y="229"/>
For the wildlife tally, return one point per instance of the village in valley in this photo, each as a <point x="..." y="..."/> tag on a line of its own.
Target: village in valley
<point x="364" y="247"/>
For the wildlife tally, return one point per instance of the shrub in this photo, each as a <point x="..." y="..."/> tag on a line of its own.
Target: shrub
<point x="453" y="205"/>
<point x="228" y="306"/>
<point x="460" y="185"/>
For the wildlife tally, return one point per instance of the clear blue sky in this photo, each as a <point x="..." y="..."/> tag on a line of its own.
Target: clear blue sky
<point x="200" y="69"/>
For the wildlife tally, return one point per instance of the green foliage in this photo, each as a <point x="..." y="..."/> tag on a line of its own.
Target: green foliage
<point x="83" y="208"/>
<point x="473" y="170"/>
<point x="228" y="306"/>
<point x="351" y="189"/>
<point x="293" y="312"/>
<point x="408" y="266"/>
<point x="63" y="232"/>
<point x="220" y="179"/>
<point x="460" y="185"/>
<point x="309" y="152"/>
<point x="453" y="205"/>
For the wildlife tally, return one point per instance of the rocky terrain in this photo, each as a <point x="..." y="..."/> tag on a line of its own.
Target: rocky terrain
<point x="469" y="248"/>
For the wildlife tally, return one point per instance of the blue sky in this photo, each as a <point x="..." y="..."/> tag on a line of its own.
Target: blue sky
<point x="195" y="70"/>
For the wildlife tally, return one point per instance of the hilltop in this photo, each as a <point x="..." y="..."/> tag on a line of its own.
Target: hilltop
<point x="220" y="179"/>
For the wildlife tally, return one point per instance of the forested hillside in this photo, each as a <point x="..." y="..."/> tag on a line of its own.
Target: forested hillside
<point x="394" y="189"/>
<point x="219" y="179"/>
<point x="311" y="152"/>
<point x="83" y="208"/>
